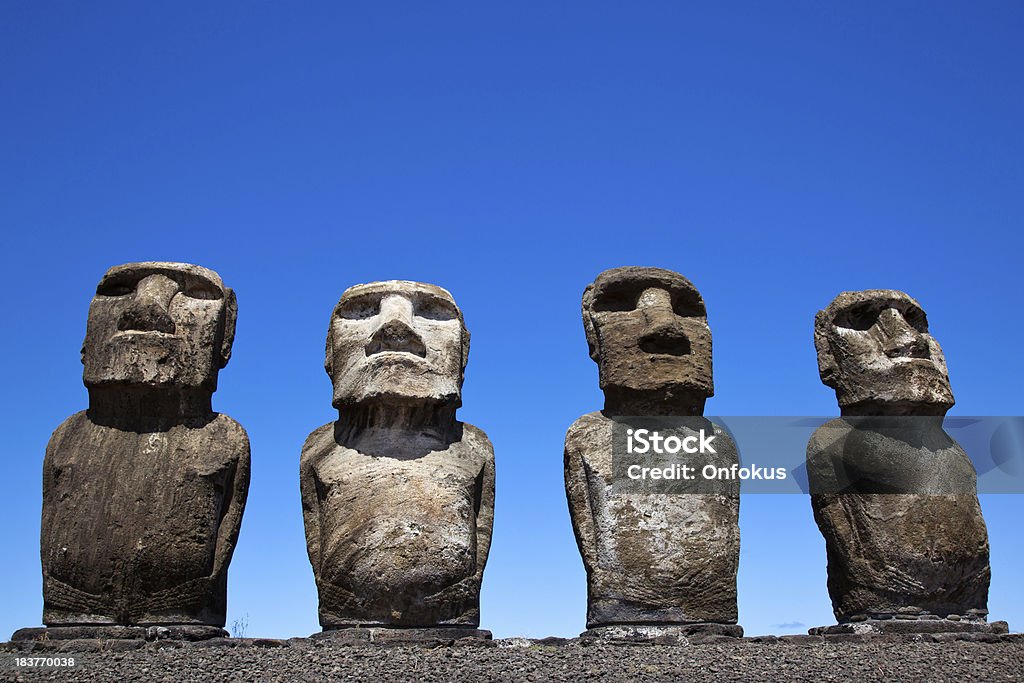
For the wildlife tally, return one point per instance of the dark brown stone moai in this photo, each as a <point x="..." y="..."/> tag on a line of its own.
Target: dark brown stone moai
<point x="143" y="493"/>
<point x="397" y="494"/>
<point x="658" y="565"/>
<point x="894" y="496"/>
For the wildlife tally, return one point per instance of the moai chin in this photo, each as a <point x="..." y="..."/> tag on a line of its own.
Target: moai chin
<point x="657" y="564"/>
<point x="894" y="496"/>
<point x="397" y="494"/>
<point x="143" y="493"/>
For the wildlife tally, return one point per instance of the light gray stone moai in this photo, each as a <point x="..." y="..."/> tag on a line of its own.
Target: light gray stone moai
<point x="397" y="494"/>
<point x="657" y="564"/>
<point x="143" y="493"/>
<point x="894" y="496"/>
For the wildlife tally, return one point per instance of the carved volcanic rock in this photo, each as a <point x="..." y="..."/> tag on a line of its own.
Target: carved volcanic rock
<point x="895" y="553"/>
<point x="398" y="541"/>
<point x="138" y="528"/>
<point x="651" y="558"/>
<point x="894" y="496"/>
<point x="143" y="493"/>
<point x="397" y="495"/>
<point x="647" y="330"/>
<point x="874" y="349"/>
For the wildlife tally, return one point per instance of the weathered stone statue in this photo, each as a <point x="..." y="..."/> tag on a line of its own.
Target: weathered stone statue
<point x="397" y="494"/>
<point x="658" y="565"/>
<point x="143" y="493"/>
<point x="894" y="496"/>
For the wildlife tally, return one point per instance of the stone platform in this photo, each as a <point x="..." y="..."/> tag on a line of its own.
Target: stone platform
<point x="185" y="632"/>
<point x="401" y="636"/>
<point x="662" y="634"/>
<point x="911" y="658"/>
<point x="904" y="625"/>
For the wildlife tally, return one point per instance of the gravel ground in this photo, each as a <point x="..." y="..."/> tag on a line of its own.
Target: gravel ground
<point x="522" y="660"/>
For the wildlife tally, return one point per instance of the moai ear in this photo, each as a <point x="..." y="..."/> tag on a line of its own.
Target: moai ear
<point x="828" y="370"/>
<point x="465" y="348"/>
<point x="588" y="323"/>
<point x="328" y="350"/>
<point x="227" y="339"/>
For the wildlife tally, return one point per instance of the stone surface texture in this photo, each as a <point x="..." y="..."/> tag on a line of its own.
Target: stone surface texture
<point x="662" y="634"/>
<point x="874" y="349"/>
<point x="802" y="659"/>
<point x="893" y="495"/>
<point x="397" y="494"/>
<point x="182" y="632"/>
<point x="143" y="493"/>
<point x="894" y="626"/>
<point x="654" y="559"/>
<point x="428" y="637"/>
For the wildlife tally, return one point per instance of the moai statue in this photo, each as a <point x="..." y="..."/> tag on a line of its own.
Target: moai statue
<point x="143" y="493"/>
<point x="894" y="496"/>
<point x="659" y="565"/>
<point x="397" y="494"/>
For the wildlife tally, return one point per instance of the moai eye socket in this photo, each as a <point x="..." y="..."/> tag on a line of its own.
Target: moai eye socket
<point x="116" y="287"/>
<point x="200" y="289"/>
<point x="616" y="299"/>
<point x="435" y="308"/>
<point x="861" y="317"/>
<point x="916" y="318"/>
<point x="687" y="304"/>
<point x="359" y="307"/>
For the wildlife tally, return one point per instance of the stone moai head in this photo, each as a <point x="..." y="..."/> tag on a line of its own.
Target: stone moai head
<point x="875" y="351"/>
<point x="159" y="325"/>
<point x="396" y="342"/>
<point x="647" y="329"/>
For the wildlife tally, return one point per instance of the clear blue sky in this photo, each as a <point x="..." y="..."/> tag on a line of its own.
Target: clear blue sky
<point x="774" y="153"/>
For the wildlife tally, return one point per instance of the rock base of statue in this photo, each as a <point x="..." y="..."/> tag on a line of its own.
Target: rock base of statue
<point x="911" y="624"/>
<point x="381" y="635"/>
<point x="117" y="632"/>
<point x="661" y="634"/>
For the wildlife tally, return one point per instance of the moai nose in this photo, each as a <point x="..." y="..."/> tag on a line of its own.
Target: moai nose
<point x="148" y="311"/>
<point x="664" y="329"/>
<point x="899" y="338"/>
<point x="396" y="331"/>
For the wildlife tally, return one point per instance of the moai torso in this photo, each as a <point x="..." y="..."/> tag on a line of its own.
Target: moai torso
<point x="650" y="558"/>
<point x="893" y="495"/>
<point x="143" y="493"/>
<point x="398" y="496"/>
<point x="398" y="541"/>
<point x="138" y="527"/>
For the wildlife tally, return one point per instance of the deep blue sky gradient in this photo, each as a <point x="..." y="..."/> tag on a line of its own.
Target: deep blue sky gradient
<point x="774" y="153"/>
